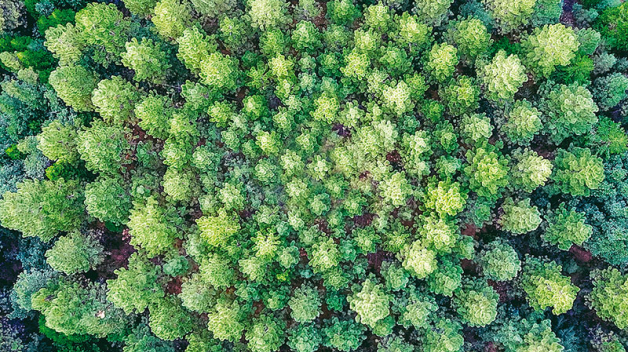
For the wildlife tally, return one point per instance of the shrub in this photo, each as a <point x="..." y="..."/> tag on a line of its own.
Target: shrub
<point x="546" y="287"/>
<point x="548" y="47"/>
<point x="567" y="228"/>
<point x="578" y="172"/>
<point x="75" y="253"/>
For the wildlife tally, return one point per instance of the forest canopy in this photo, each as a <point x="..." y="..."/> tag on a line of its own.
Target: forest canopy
<point x="313" y="175"/>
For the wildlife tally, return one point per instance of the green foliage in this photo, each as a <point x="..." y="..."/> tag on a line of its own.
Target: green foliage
<point x="305" y="175"/>
<point x="503" y="76"/>
<point x="42" y="208"/>
<point x="432" y="12"/>
<point x="548" y="47"/>
<point x="613" y="25"/>
<point x="171" y="17"/>
<point x="418" y="260"/>
<point x="104" y="27"/>
<point x="546" y="287"/>
<point x="371" y="303"/>
<point x="153" y="113"/>
<point x="141" y="339"/>
<point x="115" y="99"/>
<point x="147" y="59"/>
<point x="609" y="90"/>
<point x="530" y="170"/>
<point x="58" y="142"/>
<point x="499" y="261"/>
<point x="72" y="309"/>
<point x="140" y="8"/>
<point x="567" y="228"/>
<point x="510" y="15"/>
<point x="136" y="287"/>
<point x="74" y="85"/>
<point x="103" y="147"/>
<point x="168" y="319"/>
<point x="75" y="253"/>
<point x="461" y="96"/>
<point x="305" y="304"/>
<point x="523" y="121"/>
<point x="151" y="227"/>
<point x="519" y="217"/>
<point x="471" y="37"/>
<point x="441" y="62"/>
<point x="577" y="172"/>
<point x="108" y="200"/>
<point x="608" y="297"/>
<point x="569" y="110"/>
<point x="476" y="303"/>
<point x="487" y="171"/>
<point x="344" y="335"/>
<point x="265" y="335"/>
<point x="267" y="14"/>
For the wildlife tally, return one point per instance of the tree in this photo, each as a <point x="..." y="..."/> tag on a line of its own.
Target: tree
<point x="266" y="334"/>
<point x="530" y="170"/>
<point x="613" y="25"/>
<point x="503" y="76"/>
<point x="487" y="171"/>
<point x="58" y="142"/>
<point x="103" y="147"/>
<point x="74" y="85"/>
<point x="471" y="37"/>
<point x="371" y="303"/>
<point x="147" y="59"/>
<point x="609" y="296"/>
<point x="510" y="15"/>
<point x="445" y="198"/>
<point x="194" y="47"/>
<point x="523" y="122"/>
<point x="172" y="17"/>
<point x="75" y="253"/>
<point x="305" y="304"/>
<point x="344" y="335"/>
<point x="569" y="110"/>
<point x="219" y="72"/>
<point x="546" y="287"/>
<point x="476" y="303"/>
<point x="108" y="200"/>
<point x="418" y="260"/>
<point x="548" y="47"/>
<point x="304" y="338"/>
<point x="106" y="28"/>
<point x="136" y="287"/>
<point x="567" y="228"/>
<point x="214" y="8"/>
<point x="43" y="208"/>
<point x="577" y="172"/>
<point x="141" y="8"/>
<point x="115" y="100"/>
<point x="461" y="96"/>
<point x="151" y="227"/>
<point x="499" y="261"/>
<point x="71" y="309"/>
<point x="64" y="42"/>
<point x="154" y="113"/>
<point x="168" y="320"/>
<point x="609" y="90"/>
<point x="141" y="339"/>
<point x="267" y="14"/>
<point x="226" y="321"/>
<point x="441" y="62"/>
<point x="519" y="217"/>
<point x="432" y="12"/>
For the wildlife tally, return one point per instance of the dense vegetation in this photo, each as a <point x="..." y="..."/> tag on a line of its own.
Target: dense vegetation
<point x="263" y="175"/>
